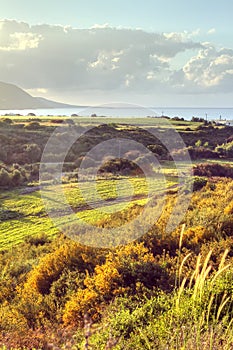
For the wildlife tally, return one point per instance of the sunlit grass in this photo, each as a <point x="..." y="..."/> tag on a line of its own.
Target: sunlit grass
<point x="25" y="214"/>
<point x="84" y="120"/>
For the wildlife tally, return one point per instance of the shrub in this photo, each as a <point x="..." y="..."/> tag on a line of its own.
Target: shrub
<point x="198" y="183"/>
<point x="120" y="166"/>
<point x="51" y="266"/>
<point x="5" y="178"/>
<point x="158" y="149"/>
<point x="33" y="152"/>
<point x="202" y="153"/>
<point x="33" y="126"/>
<point x="226" y="149"/>
<point x="213" y="169"/>
<point x="129" y="269"/>
<point x="7" y="121"/>
<point x="40" y="239"/>
<point x="198" y="120"/>
<point x="57" y="121"/>
<point x="16" y="178"/>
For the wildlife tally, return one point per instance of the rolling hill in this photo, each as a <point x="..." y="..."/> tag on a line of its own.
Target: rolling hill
<point x="13" y="97"/>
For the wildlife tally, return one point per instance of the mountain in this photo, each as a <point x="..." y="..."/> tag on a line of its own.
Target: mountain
<point x="13" y="97"/>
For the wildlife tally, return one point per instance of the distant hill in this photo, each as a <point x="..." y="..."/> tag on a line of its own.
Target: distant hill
<point x="12" y="97"/>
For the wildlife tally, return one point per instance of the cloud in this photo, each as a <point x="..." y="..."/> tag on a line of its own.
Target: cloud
<point x="21" y="42"/>
<point x="211" y="69"/>
<point x="17" y="36"/>
<point x="38" y="91"/>
<point x="44" y="58"/>
<point x="100" y="26"/>
<point x="211" y="31"/>
<point x="182" y="36"/>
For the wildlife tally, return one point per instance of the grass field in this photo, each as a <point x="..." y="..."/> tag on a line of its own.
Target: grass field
<point x="146" y="122"/>
<point x="23" y="214"/>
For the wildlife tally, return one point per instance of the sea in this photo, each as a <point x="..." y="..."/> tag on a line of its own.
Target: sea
<point x="223" y="114"/>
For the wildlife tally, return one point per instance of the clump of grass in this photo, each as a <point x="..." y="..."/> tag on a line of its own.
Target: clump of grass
<point x="200" y="307"/>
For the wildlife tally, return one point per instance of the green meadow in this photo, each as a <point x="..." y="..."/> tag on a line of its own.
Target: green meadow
<point x="23" y="214"/>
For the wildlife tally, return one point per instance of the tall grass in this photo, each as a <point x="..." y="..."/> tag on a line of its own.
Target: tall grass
<point x="201" y="315"/>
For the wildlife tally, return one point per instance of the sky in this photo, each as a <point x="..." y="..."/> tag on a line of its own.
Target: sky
<point x="153" y="53"/>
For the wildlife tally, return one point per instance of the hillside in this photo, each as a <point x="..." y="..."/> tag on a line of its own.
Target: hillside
<point x="13" y="97"/>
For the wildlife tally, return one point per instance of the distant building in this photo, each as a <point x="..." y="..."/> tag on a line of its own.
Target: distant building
<point x="223" y="122"/>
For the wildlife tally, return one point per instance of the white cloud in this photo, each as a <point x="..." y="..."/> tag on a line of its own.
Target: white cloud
<point x="17" y="36"/>
<point x="23" y="41"/>
<point x="100" y="26"/>
<point x="46" y="58"/>
<point x="182" y="36"/>
<point x="36" y="92"/>
<point x="106" y="61"/>
<point x="56" y="57"/>
<point x="210" y="70"/>
<point x="211" y="31"/>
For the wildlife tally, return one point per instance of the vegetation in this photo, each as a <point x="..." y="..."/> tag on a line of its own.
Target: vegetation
<point x="163" y="290"/>
<point x="140" y="295"/>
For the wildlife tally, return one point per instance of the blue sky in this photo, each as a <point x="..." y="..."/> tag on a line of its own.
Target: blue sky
<point x="151" y="15"/>
<point x="200" y="22"/>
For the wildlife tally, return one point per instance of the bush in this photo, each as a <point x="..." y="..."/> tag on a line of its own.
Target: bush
<point x="33" y="126"/>
<point x="5" y="178"/>
<point x="70" y="255"/>
<point x="214" y="169"/>
<point x="16" y="178"/>
<point x="225" y="149"/>
<point x="57" y="121"/>
<point x="198" y="183"/>
<point x="202" y="153"/>
<point x="37" y="240"/>
<point x="198" y="120"/>
<point x="120" y="166"/>
<point x="158" y="149"/>
<point x="33" y="152"/>
<point x="7" y="121"/>
<point x="130" y="269"/>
